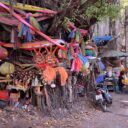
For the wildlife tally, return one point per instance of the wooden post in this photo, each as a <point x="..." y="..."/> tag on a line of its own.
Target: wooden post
<point x="70" y="89"/>
<point x="11" y="2"/>
<point x="126" y="32"/>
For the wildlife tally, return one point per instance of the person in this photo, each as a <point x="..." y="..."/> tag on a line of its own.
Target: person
<point x="115" y="82"/>
<point x="121" y="82"/>
<point x="122" y="66"/>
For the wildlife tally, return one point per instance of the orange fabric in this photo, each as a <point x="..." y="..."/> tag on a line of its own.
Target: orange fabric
<point x="49" y="74"/>
<point x="63" y="75"/>
<point x="32" y="45"/>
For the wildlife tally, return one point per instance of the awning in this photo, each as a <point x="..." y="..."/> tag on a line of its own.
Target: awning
<point x="33" y="45"/>
<point x="101" y="40"/>
<point x="9" y="21"/>
<point x="100" y="79"/>
<point x="113" y="53"/>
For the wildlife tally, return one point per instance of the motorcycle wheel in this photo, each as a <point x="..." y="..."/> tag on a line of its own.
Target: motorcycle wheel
<point x="103" y="106"/>
<point x="110" y="102"/>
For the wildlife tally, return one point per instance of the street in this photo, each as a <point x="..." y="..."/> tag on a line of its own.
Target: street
<point x="116" y="117"/>
<point x="88" y="117"/>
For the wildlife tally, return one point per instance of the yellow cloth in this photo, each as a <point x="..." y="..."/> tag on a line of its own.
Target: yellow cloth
<point x="126" y="80"/>
<point x="123" y="69"/>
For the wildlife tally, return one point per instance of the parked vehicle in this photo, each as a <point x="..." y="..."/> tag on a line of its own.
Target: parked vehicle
<point x="102" y="97"/>
<point x="109" y="80"/>
<point x="109" y="83"/>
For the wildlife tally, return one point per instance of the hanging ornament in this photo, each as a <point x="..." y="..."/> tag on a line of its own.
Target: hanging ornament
<point x="7" y="68"/>
<point x="53" y="85"/>
<point x="72" y="34"/>
<point x="3" y="53"/>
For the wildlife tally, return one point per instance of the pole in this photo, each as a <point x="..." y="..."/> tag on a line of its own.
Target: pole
<point x="126" y="33"/>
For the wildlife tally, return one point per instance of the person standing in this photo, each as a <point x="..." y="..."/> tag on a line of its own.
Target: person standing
<point x="115" y="82"/>
<point x="121" y="82"/>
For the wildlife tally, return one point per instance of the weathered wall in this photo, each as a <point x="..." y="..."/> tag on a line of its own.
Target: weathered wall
<point x="111" y="28"/>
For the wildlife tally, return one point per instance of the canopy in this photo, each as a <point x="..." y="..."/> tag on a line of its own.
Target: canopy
<point x="33" y="45"/>
<point x="101" y="40"/>
<point x="8" y="21"/>
<point x="113" y="53"/>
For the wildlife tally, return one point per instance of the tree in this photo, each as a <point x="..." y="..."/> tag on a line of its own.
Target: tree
<point x="83" y="13"/>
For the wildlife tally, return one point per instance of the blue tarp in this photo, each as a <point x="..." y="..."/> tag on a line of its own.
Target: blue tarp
<point x="102" y="66"/>
<point x="101" y="40"/>
<point x="100" y="79"/>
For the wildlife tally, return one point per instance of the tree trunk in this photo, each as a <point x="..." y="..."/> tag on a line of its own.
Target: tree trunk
<point x="68" y="11"/>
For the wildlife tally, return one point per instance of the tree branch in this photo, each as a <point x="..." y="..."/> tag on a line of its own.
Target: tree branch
<point x="88" y="3"/>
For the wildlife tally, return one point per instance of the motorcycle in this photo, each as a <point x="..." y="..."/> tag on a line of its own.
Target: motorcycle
<point x="103" y="97"/>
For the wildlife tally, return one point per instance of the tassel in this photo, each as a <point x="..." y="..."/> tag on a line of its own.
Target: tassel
<point x="73" y="66"/>
<point x="25" y="31"/>
<point x="72" y="34"/>
<point x="69" y="53"/>
<point x="77" y="35"/>
<point x="35" y="23"/>
<point x="21" y="30"/>
<point x="83" y="59"/>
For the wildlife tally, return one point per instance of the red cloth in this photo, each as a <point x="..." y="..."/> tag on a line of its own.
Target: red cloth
<point x="78" y="64"/>
<point x="4" y="95"/>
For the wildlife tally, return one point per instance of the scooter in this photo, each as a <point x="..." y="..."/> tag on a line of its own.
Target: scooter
<point x="102" y="97"/>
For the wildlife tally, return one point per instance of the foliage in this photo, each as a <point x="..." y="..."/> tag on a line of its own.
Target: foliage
<point x="82" y="12"/>
<point x="102" y="9"/>
<point x="124" y="2"/>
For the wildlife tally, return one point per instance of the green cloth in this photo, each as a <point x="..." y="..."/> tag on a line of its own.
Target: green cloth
<point x="90" y="53"/>
<point x="21" y="31"/>
<point x="77" y="35"/>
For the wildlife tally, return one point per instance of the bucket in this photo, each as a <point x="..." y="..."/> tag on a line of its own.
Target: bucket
<point x="4" y="95"/>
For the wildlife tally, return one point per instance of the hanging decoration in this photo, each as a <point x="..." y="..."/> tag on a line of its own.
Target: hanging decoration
<point x="3" y="53"/>
<point x="75" y="35"/>
<point x="63" y="75"/>
<point x="26" y="31"/>
<point x="7" y="69"/>
<point x="45" y="58"/>
<point x="48" y="75"/>
<point x="79" y="62"/>
<point x="90" y="49"/>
